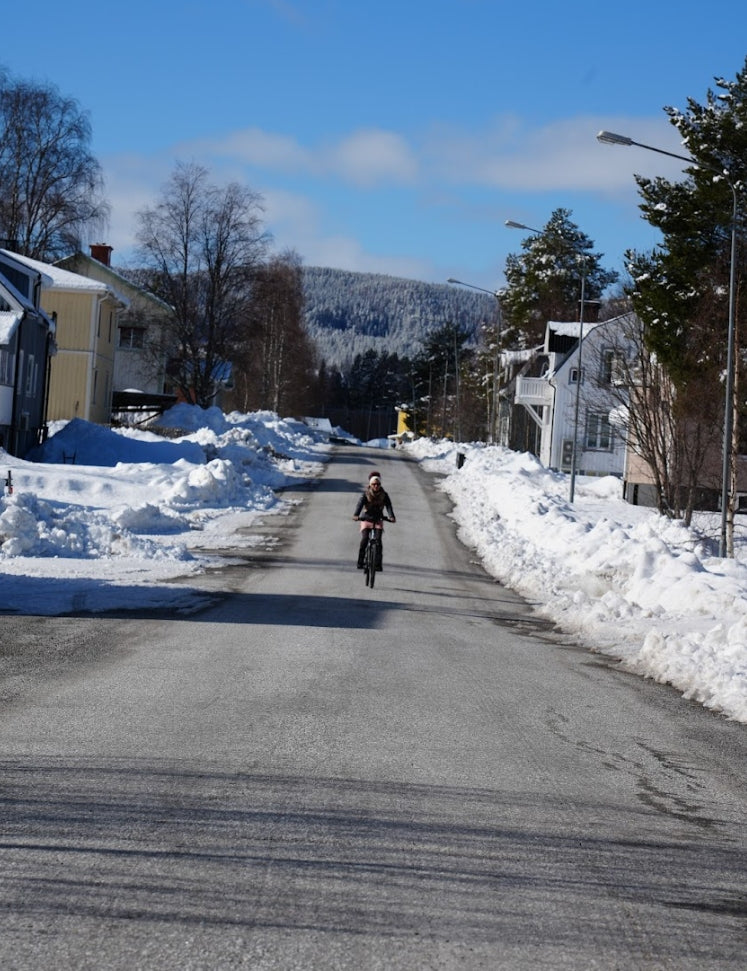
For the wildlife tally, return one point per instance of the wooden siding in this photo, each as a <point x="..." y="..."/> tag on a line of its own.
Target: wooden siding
<point x="81" y="376"/>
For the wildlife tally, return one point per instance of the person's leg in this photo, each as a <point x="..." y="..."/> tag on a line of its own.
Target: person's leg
<point x="362" y="548"/>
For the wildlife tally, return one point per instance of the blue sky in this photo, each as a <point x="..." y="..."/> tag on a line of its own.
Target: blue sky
<point x="394" y="137"/>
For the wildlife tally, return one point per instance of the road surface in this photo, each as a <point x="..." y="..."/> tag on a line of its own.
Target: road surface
<point x="311" y="774"/>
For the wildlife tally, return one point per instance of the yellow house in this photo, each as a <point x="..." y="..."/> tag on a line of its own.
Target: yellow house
<point x="140" y="358"/>
<point x="82" y="372"/>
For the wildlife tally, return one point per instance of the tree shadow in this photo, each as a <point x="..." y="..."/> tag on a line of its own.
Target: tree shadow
<point x="182" y="849"/>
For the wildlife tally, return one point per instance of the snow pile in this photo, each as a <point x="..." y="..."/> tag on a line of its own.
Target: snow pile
<point x="626" y="581"/>
<point x="100" y="509"/>
<point x="110" y="518"/>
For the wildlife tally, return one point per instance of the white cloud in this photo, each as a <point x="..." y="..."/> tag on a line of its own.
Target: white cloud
<point x="296" y="223"/>
<point x="132" y="183"/>
<point x="473" y="172"/>
<point x="562" y="155"/>
<point x="373" y="156"/>
<point x="363" y="158"/>
<point x="507" y="154"/>
<point x="346" y="253"/>
<point x="252" y="146"/>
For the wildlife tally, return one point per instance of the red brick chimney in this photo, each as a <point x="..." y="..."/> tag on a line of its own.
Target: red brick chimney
<point x="102" y="253"/>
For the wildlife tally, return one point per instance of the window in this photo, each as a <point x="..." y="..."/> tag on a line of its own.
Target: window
<point x="132" y="338"/>
<point x="612" y="366"/>
<point x="599" y="432"/>
<point x="30" y="372"/>
<point x="6" y="367"/>
<point x="573" y="376"/>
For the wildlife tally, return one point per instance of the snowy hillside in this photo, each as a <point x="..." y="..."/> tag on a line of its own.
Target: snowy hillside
<point x="348" y="313"/>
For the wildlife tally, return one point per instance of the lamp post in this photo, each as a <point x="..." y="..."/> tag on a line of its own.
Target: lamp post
<point x="576" y="406"/>
<point x="729" y="457"/>
<point x="493" y="413"/>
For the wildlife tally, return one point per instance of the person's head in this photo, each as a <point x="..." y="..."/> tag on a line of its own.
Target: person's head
<point x="374" y="482"/>
<point x="372" y="474"/>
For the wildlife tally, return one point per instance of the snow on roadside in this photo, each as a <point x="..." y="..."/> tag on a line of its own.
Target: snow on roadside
<point x="624" y="580"/>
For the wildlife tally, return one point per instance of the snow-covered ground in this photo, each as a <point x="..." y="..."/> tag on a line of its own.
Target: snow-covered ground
<point x="106" y="519"/>
<point x="628" y="582"/>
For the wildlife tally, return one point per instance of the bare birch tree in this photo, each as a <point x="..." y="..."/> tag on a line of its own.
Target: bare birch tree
<point x="51" y="186"/>
<point x="671" y="431"/>
<point x="275" y="365"/>
<point x="202" y="246"/>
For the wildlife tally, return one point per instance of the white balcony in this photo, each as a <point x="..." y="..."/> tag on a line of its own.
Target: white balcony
<point x="533" y="391"/>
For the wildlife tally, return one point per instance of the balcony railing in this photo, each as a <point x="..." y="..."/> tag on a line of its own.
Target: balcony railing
<point x="533" y="391"/>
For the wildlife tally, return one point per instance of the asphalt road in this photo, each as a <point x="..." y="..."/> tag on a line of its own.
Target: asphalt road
<point x="310" y="774"/>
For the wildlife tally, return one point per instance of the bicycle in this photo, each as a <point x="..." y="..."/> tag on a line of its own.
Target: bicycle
<point x="372" y="555"/>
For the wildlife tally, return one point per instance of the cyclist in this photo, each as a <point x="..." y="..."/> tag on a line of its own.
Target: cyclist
<point x="369" y="512"/>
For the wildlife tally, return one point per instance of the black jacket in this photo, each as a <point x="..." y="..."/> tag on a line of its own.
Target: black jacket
<point x="372" y="506"/>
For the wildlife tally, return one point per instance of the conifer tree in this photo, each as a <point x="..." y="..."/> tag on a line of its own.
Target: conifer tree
<point x="544" y="281"/>
<point x="681" y="290"/>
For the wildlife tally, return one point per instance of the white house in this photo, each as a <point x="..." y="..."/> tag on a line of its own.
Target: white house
<point x="565" y="410"/>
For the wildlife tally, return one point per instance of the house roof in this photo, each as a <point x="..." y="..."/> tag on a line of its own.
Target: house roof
<point x="121" y="283"/>
<point x="19" y="306"/>
<point x="55" y="278"/>
<point x="567" y="356"/>
<point x="572" y="328"/>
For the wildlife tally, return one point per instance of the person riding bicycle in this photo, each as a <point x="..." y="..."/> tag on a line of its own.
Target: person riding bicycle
<point x="369" y="512"/>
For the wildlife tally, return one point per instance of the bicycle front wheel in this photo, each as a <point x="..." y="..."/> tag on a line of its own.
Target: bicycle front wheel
<point x="370" y="564"/>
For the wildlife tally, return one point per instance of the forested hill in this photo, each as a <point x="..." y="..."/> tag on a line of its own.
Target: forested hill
<point x="347" y="313"/>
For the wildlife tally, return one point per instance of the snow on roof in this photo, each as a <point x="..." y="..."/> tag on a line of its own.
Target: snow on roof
<point x="518" y="356"/>
<point x="9" y="320"/>
<point x="17" y="258"/>
<point x="17" y="306"/>
<point x="55" y="278"/>
<point x="117" y="276"/>
<point x="571" y="328"/>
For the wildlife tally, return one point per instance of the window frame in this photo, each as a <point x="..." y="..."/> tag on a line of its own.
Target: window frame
<point x="598" y="429"/>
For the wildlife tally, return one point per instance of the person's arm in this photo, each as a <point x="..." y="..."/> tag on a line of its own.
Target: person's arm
<point x="390" y="508"/>
<point x="359" y="506"/>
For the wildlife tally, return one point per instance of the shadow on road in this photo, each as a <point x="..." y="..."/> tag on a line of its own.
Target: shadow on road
<point x="402" y="587"/>
<point x="181" y="850"/>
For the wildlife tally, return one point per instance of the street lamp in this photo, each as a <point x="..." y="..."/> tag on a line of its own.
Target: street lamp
<point x="729" y="456"/>
<point x="493" y="416"/>
<point x="572" y="487"/>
